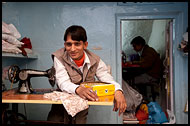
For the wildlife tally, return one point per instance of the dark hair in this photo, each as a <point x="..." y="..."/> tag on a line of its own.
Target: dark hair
<point x="77" y="33"/>
<point x="138" y="41"/>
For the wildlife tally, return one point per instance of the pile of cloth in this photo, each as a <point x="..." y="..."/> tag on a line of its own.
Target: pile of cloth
<point x="184" y="46"/>
<point x="11" y="43"/>
<point x="72" y="102"/>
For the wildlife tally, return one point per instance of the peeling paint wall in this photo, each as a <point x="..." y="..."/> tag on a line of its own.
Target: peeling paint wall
<point x="45" y="22"/>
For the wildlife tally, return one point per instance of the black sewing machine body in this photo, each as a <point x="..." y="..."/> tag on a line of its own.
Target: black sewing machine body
<point x="24" y="76"/>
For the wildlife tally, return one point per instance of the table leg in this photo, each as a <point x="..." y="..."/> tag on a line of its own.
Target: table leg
<point x="15" y="107"/>
<point x="4" y="115"/>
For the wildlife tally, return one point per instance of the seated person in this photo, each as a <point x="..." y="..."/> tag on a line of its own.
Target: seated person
<point x="75" y="64"/>
<point x="150" y="62"/>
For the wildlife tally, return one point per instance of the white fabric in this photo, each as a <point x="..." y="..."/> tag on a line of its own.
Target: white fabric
<point x="140" y="52"/>
<point x="71" y="102"/>
<point x="10" y="29"/>
<point x="65" y="83"/>
<point x="11" y="39"/>
<point x="5" y="28"/>
<point x="14" y="31"/>
<point x="185" y="36"/>
<point x="10" y="48"/>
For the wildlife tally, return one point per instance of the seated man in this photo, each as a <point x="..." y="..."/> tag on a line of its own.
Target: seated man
<point x="149" y="62"/>
<point x="75" y="64"/>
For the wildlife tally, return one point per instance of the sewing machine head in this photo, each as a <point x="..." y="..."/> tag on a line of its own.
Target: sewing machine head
<point x="24" y="75"/>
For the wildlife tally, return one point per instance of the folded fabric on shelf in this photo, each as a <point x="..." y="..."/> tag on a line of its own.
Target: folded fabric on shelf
<point x="10" y="48"/>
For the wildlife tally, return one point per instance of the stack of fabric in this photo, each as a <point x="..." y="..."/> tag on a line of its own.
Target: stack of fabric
<point x="184" y="45"/>
<point x="10" y="36"/>
<point x="10" y="42"/>
<point x="72" y="102"/>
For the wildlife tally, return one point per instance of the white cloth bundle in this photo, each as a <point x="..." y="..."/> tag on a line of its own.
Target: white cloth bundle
<point x="72" y="102"/>
<point x="12" y="40"/>
<point x="9" y="39"/>
<point x="10" y="29"/>
<point x="8" y="47"/>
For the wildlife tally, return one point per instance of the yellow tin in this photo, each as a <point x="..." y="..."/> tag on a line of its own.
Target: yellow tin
<point x="101" y="88"/>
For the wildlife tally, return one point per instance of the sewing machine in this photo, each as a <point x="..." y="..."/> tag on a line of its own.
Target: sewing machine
<point x="24" y="75"/>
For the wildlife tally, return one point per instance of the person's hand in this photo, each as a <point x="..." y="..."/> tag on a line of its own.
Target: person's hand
<point x="86" y="93"/>
<point x="119" y="102"/>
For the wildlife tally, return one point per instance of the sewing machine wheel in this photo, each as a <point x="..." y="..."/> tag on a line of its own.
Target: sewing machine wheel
<point x="13" y="73"/>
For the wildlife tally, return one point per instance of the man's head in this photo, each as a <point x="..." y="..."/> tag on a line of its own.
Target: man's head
<point x="75" y="41"/>
<point x="138" y="43"/>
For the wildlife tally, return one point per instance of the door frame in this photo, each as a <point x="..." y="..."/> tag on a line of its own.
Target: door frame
<point x="177" y="31"/>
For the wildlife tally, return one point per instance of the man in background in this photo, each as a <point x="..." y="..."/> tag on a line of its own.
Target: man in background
<point x="150" y="62"/>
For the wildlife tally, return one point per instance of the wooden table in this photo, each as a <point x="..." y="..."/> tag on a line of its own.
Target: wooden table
<point x="11" y="96"/>
<point x="131" y="71"/>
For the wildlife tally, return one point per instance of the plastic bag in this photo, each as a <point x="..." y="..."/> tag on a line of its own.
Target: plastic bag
<point x="156" y="115"/>
<point x="133" y="97"/>
<point x="141" y="115"/>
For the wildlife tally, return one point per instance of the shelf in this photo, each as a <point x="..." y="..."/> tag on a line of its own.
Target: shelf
<point x="12" y="55"/>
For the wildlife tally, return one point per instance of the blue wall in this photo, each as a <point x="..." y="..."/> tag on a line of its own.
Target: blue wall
<point x="44" y="23"/>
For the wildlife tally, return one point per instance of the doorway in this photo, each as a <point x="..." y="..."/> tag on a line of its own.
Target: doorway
<point x="158" y="35"/>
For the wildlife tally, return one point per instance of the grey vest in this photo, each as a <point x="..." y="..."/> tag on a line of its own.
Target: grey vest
<point x="73" y="71"/>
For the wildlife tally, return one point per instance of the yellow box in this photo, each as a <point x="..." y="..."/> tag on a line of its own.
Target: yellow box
<point x="101" y="88"/>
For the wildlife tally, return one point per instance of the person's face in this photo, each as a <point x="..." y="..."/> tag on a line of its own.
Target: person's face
<point x="137" y="48"/>
<point x="75" y="48"/>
